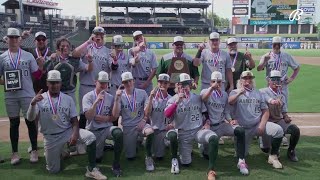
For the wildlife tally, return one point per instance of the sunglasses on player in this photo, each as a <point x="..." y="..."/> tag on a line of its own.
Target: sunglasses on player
<point x="41" y="39"/>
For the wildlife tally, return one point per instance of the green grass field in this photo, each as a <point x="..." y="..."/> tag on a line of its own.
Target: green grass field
<point x="74" y="168"/>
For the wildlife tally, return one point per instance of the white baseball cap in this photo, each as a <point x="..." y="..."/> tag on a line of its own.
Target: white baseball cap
<point x="137" y="33"/>
<point x="126" y="76"/>
<point x="178" y="39"/>
<point x="232" y="40"/>
<point x="98" y="30"/>
<point x="275" y="73"/>
<point x="164" y="77"/>
<point x="184" y="77"/>
<point x="103" y="76"/>
<point x="216" y="75"/>
<point x="13" y="32"/>
<point x="117" y="40"/>
<point x="54" y="75"/>
<point x="214" y="35"/>
<point x="40" y="33"/>
<point x="276" y="39"/>
<point x="247" y="74"/>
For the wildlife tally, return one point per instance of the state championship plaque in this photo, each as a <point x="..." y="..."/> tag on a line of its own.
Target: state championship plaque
<point x="12" y="80"/>
<point x="178" y="65"/>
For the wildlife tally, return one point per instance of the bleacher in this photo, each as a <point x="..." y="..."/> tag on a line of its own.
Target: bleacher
<point x="195" y="23"/>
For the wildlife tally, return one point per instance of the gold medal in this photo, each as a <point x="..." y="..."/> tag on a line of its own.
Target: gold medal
<point x="133" y="114"/>
<point x="55" y="117"/>
<point x="233" y="69"/>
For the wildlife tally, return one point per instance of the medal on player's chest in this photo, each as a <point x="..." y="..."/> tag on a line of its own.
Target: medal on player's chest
<point x="54" y="108"/>
<point x="39" y="54"/>
<point x="132" y="103"/>
<point x="233" y="69"/>
<point x="215" y="60"/>
<point x="277" y="62"/>
<point x="99" y="108"/>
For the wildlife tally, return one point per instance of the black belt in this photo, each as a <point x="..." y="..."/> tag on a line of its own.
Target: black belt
<point x="217" y="124"/>
<point x="112" y="85"/>
<point x="54" y="133"/>
<point x="88" y="85"/>
<point x="142" y="79"/>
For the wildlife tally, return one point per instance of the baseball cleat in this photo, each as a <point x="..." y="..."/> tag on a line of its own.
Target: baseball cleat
<point x="149" y="164"/>
<point x="116" y="170"/>
<point x="15" y="158"/>
<point x="34" y="157"/>
<point x="211" y="175"/>
<point x="285" y="141"/>
<point x="243" y="167"/>
<point x="95" y="174"/>
<point x="273" y="159"/>
<point x="292" y="156"/>
<point x="175" y="166"/>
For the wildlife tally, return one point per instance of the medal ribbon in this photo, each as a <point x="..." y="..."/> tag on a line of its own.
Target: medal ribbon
<point x="63" y="59"/>
<point x="54" y="109"/>
<point x="235" y="60"/>
<point x="278" y="93"/>
<point x="132" y="104"/>
<point x="39" y="53"/>
<point x="248" y="89"/>
<point x="173" y="55"/>
<point x="215" y="57"/>
<point x="120" y="56"/>
<point x="98" y="109"/>
<point x="95" y="45"/>
<point x="277" y="61"/>
<point x="17" y="61"/>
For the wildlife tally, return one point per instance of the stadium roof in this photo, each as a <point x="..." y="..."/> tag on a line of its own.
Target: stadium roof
<point x="153" y="4"/>
<point x="45" y="4"/>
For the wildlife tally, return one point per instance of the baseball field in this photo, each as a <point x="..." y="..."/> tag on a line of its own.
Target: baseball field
<point x="304" y="106"/>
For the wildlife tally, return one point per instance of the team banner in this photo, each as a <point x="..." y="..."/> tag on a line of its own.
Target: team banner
<point x="240" y="11"/>
<point x="264" y="12"/>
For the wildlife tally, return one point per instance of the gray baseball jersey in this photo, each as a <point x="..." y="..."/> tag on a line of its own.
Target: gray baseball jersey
<point x="100" y="63"/>
<point x="248" y="108"/>
<point x="27" y="65"/>
<point x="188" y="114"/>
<point x="66" y="110"/>
<point x="158" y="120"/>
<point x="217" y="107"/>
<point x="106" y="109"/>
<point x="208" y="64"/>
<point x="124" y="66"/>
<point x="269" y="95"/>
<point x="148" y="61"/>
<point x="132" y="118"/>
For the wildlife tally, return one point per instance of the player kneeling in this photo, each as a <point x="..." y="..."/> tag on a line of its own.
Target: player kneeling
<point x="163" y="129"/>
<point x="253" y="114"/>
<point x="186" y="110"/>
<point x="216" y="102"/>
<point x="97" y="107"/>
<point x="278" y="114"/>
<point x="59" y="125"/>
<point x="129" y="103"/>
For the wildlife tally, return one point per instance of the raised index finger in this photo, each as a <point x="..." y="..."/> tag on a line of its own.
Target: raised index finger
<point x="40" y="92"/>
<point x="30" y="30"/>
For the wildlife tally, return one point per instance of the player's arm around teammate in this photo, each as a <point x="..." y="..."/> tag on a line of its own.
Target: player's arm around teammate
<point x="59" y="125"/>
<point x="253" y="114"/>
<point x="130" y="103"/>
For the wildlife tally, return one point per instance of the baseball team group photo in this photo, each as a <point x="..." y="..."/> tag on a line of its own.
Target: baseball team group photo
<point x="139" y="89"/>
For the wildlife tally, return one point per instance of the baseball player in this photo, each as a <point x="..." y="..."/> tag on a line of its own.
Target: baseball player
<point x="252" y="114"/>
<point x="118" y="63"/>
<point x="216" y="102"/>
<point x="214" y="59"/>
<point x="17" y="59"/>
<point x="59" y="125"/>
<point x="95" y="47"/>
<point x="278" y="114"/>
<point x="144" y="63"/>
<point x="240" y="61"/>
<point x="166" y="62"/>
<point x="97" y="106"/>
<point x="130" y="103"/>
<point x="186" y="110"/>
<point x="163" y="127"/>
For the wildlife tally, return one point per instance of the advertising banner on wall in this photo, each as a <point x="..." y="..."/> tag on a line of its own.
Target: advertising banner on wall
<point x="240" y="20"/>
<point x="240" y="11"/>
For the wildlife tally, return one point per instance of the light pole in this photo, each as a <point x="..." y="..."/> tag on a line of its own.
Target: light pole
<point x="21" y="13"/>
<point x="212" y="20"/>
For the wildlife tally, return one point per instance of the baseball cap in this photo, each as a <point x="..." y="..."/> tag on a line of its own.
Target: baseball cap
<point x="102" y="76"/>
<point x="137" y="33"/>
<point x="275" y="74"/>
<point x="98" y="30"/>
<point x="178" y="39"/>
<point x="117" y="40"/>
<point x="40" y="33"/>
<point x="232" y="40"/>
<point x="214" y="35"/>
<point x="164" y="77"/>
<point x="184" y="77"/>
<point x="54" y="75"/>
<point x="126" y="76"/>
<point x="216" y="75"/>
<point x="13" y="32"/>
<point x="247" y="74"/>
<point x="276" y="39"/>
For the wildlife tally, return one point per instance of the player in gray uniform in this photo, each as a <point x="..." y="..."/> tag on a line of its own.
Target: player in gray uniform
<point x="216" y="102"/>
<point x="163" y="127"/>
<point x="215" y="59"/>
<point x="129" y="103"/>
<point x="118" y="63"/>
<point x="94" y="47"/>
<point x="252" y="114"/>
<point x="97" y="106"/>
<point x="17" y="59"/>
<point x="278" y="114"/>
<point x="59" y="125"/>
<point x="144" y="63"/>
<point x="186" y="110"/>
